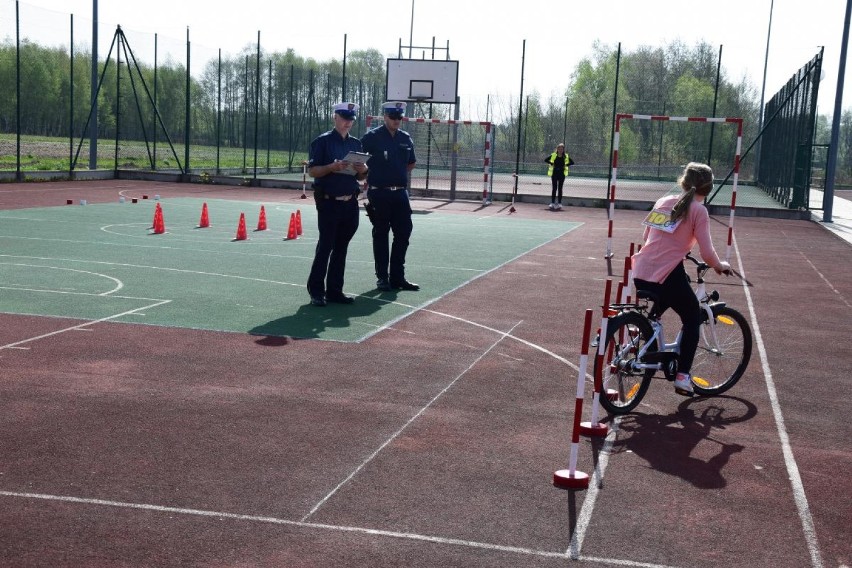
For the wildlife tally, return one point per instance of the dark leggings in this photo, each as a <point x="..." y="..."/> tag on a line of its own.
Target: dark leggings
<point x="556" y="193"/>
<point x="676" y="293"/>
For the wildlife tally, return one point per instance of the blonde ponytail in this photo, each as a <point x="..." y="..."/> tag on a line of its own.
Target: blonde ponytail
<point x="696" y="178"/>
<point x="681" y="208"/>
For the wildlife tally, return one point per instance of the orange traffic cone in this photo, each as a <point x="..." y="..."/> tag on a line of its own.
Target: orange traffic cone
<point x="298" y="222"/>
<point x="291" y="230"/>
<point x="159" y="223"/>
<point x="241" y="229"/>
<point x="205" y="217"/>
<point x="157" y="211"/>
<point x="261" y="221"/>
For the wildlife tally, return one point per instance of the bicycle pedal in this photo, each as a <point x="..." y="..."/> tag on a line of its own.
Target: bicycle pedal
<point x="683" y="392"/>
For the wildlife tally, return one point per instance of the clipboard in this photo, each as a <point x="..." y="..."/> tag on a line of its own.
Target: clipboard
<point x="352" y="158"/>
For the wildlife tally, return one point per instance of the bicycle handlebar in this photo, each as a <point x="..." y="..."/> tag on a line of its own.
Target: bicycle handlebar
<point x="700" y="266"/>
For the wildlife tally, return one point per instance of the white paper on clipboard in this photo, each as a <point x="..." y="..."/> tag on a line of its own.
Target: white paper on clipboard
<point x="351" y="159"/>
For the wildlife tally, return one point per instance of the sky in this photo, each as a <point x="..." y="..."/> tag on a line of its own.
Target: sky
<point x="490" y="40"/>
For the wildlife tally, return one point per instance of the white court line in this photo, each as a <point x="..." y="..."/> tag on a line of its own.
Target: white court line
<point x="242" y="251"/>
<point x="824" y="279"/>
<point x="789" y="460"/>
<point x="376" y="329"/>
<point x="71" y="293"/>
<point x="585" y="516"/>
<point x="586" y="511"/>
<point x="404" y="426"/>
<point x="322" y="526"/>
<point x="82" y="325"/>
<point x="163" y="268"/>
<point x="118" y="283"/>
<point x="423" y="308"/>
<point x="588" y="503"/>
<point x="506" y="335"/>
<point x="236" y="276"/>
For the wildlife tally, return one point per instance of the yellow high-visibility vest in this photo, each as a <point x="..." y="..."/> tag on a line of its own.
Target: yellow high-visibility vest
<point x="553" y="159"/>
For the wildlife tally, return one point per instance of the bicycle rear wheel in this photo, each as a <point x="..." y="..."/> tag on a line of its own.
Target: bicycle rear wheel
<point x="720" y="363"/>
<point x="623" y="386"/>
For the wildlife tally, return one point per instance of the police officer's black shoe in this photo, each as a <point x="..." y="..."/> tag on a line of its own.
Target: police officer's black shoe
<point x="339" y="298"/>
<point x="406" y="285"/>
<point x="318" y="300"/>
<point x="383" y="285"/>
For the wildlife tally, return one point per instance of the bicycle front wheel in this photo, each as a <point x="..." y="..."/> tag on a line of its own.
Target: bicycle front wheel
<point x="723" y="352"/>
<point x="623" y="386"/>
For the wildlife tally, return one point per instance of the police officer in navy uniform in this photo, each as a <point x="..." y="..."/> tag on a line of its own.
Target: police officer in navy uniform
<point x="336" y="196"/>
<point x="391" y="160"/>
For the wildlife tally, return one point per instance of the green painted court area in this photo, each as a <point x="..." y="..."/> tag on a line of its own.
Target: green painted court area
<point x="102" y="262"/>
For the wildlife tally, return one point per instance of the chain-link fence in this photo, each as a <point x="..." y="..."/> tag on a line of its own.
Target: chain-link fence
<point x="165" y="104"/>
<point x="787" y="143"/>
<point x="161" y="103"/>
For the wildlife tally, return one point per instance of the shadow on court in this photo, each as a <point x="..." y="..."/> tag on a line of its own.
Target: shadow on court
<point x="668" y="442"/>
<point x="309" y="322"/>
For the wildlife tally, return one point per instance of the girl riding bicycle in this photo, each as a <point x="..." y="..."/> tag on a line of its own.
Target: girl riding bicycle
<point x="675" y="224"/>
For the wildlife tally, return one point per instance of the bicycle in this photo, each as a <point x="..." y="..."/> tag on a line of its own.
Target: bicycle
<point x="632" y="356"/>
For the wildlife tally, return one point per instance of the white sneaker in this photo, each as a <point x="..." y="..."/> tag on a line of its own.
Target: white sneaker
<point x="559" y="206"/>
<point x="683" y="384"/>
<point x="552" y="207"/>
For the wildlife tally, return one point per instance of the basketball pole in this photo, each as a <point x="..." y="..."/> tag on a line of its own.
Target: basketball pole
<point x="411" y="31"/>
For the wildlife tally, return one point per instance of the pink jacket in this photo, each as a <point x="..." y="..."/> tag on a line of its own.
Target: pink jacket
<point x="663" y="251"/>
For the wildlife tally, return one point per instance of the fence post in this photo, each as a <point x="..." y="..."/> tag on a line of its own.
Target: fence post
<point x="186" y="167"/>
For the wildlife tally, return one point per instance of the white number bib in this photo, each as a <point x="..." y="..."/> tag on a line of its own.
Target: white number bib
<point x="661" y="220"/>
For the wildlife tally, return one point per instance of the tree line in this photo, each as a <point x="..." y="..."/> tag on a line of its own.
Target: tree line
<point x="281" y="101"/>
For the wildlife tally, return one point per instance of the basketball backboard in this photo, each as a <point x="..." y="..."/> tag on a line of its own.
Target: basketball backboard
<point x="422" y="80"/>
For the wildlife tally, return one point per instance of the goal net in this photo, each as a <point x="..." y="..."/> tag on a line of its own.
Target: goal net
<point x="650" y="152"/>
<point x="452" y="155"/>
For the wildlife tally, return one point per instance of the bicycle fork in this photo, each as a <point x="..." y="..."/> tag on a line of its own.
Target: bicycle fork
<point x="708" y="331"/>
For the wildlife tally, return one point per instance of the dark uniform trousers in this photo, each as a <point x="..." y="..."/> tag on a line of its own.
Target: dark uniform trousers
<point x="337" y="222"/>
<point x="392" y="212"/>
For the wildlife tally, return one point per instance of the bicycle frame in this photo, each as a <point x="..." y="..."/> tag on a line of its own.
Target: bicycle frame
<point x="658" y="336"/>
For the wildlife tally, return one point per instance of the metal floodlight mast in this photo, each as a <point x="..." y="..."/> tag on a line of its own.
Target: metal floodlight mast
<point x="93" y="132"/>
<point x="763" y="90"/>
<point x="828" y="196"/>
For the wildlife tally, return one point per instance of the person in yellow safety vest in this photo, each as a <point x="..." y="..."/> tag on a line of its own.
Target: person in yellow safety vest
<point x="557" y="172"/>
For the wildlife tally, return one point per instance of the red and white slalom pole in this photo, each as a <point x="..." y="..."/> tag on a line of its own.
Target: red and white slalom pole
<point x="739" y="123"/>
<point x="624" y="287"/>
<point x="611" y="193"/>
<point x="571" y="478"/>
<point x="593" y="427"/>
<point x="628" y="281"/>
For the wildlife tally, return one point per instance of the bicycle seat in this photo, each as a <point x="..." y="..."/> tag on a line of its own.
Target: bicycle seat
<point x="652" y="299"/>
<point x="647" y="295"/>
